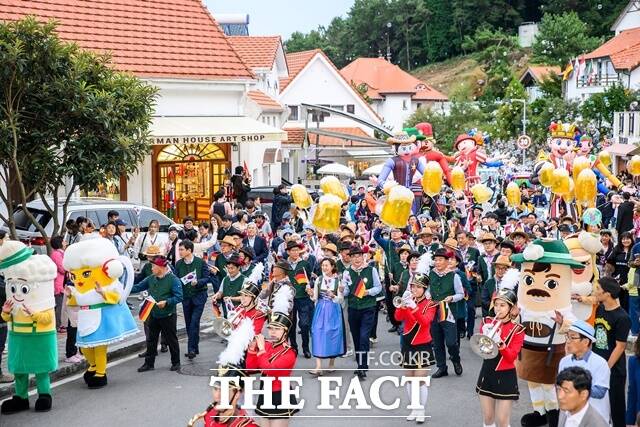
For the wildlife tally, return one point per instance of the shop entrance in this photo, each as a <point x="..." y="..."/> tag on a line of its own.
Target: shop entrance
<point x="186" y="176"/>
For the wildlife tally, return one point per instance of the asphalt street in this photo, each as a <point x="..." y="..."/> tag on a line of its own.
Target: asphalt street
<point x="164" y="398"/>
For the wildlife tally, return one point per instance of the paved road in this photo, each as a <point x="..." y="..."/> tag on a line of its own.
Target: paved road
<point x="164" y="398"/>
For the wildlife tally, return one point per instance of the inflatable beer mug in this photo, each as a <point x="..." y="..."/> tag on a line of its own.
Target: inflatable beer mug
<point x="331" y="185"/>
<point x="457" y="179"/>
<point x="560" y="184"/>
<point x="586" y="187"/>
<point x="481" y="193"/>
<point x="301" y="197"/>
<point x="397" y="208"/>
<point x="633" y="165"/>
<point x="579" y="164"/>
<point x="326" y="215"/>
<point x="545" y="174"/>
<point x="514" y="195"/>
<point x="431" y="179"/>
<point x="605" y="158"/>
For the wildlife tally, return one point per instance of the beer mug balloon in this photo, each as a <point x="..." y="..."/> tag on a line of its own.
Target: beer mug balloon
<point x="397" y="208"/>
<point x="571" y="195"/>
<point x="514" y="195"/>
<point x="326" y="216"/>
<point x="586" y="187"/>
<point x="301" y="197"/>
<point x="457" y="179"/>
<point x="331" y="185"/>
<point x="605" y="158"/>
<point x="560" y="182"/>
<point x="545" y="174"/>
<point x="481" y="193"/>
<point x="579" y="164"/>
<point x="432" y="179"/>
<point x="633" y="165"/>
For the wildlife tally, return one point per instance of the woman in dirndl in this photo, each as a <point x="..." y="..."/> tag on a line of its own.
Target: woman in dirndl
<point x="497" y="384"/>
<point x="417" y="313"/>
<point x="327" y="326"/>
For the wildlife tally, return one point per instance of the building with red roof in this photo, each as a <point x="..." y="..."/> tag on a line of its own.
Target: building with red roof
<point x="395" y="94"/>
<point x="200" y="130"/>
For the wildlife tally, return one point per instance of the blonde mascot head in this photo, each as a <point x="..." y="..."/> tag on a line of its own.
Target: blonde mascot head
<point x="583" y="248"/>
<point x="92" y="263"/>
<point x="29" y="278"/>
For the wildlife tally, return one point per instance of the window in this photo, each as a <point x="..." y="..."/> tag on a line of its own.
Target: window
<point x="146" y="215"/>
<point x="351" y="109"/>
<point x="418" y="105"/>
<point x="632" y="118"/>
<point x="621" y="124"/>
<point x="338" y="107"/>
<point x="404" y="104"/>
<point x="293" y="112"/>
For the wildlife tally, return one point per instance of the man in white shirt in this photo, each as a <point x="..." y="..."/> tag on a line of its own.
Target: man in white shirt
<point x="580" y="336"/>
<point x="574" y="387"/>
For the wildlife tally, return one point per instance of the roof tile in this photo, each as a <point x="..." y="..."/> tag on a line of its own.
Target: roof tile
<point x="256" y="52"/>
<point x="296" y="62"/>
<point x="265" y="101"/>
<point x="623" y="49"/>
<point x="151" y="38"/>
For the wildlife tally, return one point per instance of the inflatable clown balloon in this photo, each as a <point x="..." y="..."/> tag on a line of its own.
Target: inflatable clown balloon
<point x="430" y="153"/>
<point x="30" y="315"/>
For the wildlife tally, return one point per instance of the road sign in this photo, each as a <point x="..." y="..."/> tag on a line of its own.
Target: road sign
<point x="523" y="142"/>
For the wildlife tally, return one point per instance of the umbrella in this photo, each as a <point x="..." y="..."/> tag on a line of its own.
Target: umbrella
<point x="373" y="170"/>
<point x="335" y="169"/>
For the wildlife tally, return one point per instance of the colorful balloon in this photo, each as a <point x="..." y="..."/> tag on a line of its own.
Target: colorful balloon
<point x="560" y="182"/>
<point x="397" y="208"/>
<point x="301" y="197"/>
<point x="545" y="174"/>
<point x="570" y="196"/>
<point x="331" y="185"/>
<point x="586" y="187"/>
<point x="481" y="193"/>
<point x="388" y="185"/>
<point x="432" y="179"/>
<point x="579" y="164"/>
<point x="633" y="165"/>
<point x="457" y="179"/>
<point x="605" y="158"/>
<point x="514" y="195"/>
<point x="326" y="217"/>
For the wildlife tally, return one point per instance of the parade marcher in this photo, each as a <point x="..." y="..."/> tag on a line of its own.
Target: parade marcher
<point x="194" y="276"/>
<point x="256" y="242"/>
<point x="29" y="311"/>
<point x="544" y="298"/>
<point x="248" y="308"/>
<point x="362" y="285"/>
<point x="166" y="290"/>
<point x="300" y="276"/>
<point x="471" y="259"/>
<point x="328" y="339"/>
<point x="497" y="384"/>
<point x="580" y="336"/>
<point x="229" y="291"/>
<point x="500" y="266"/>
<point x="446" y="288"/>
<point x="104" y="318"/>
<point x="274" y="358"/>
<point x="417" y="313"/>
<point x="230" y="365"/>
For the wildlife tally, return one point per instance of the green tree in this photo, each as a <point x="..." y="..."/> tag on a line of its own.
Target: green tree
<point x="440" y="39"/>
<point x="299" y="42"/>
<point x="508" y="115"/>
<point x="600" y="14"/>
<point x="544" y="111"/>
<point x="598" y="109"/>
<point x="562" y="38"/>
<point x="67" y="119"/>
<point x="551" y="85"/>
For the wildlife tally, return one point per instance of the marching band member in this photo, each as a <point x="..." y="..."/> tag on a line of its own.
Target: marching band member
<point x="497" y="384"/>
<point x="230" y="365"/>
<point x="279" y="280"/>
<point x="248" y="308"/>
<point x="417" y="313"/>
<point x="274" y="358"/>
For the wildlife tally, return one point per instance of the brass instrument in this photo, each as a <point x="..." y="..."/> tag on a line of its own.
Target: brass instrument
<point x="484" y="345"/>
<point x="222" y="327"/>
<point x="196" y="418"/>
<point x="397" y="301"/>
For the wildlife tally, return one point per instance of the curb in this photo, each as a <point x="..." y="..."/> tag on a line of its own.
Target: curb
<point x="124" y="350"/>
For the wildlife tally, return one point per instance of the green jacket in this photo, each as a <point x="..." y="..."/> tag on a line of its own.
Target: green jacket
<point x="202" y="276"/>
<point x="168" y="288"/>
<point x="297" y="269"/>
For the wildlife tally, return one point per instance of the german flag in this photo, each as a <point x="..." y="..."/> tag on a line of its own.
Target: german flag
<point x="361" y="289"/>
<point x="146" y="307"/>
<point x="301" y="278"/>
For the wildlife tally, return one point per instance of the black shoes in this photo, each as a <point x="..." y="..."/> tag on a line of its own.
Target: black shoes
<point x="457" y="368"/>
<point x="43" y="404"/>
<point x="145" y="368"/>
<point x="440" y="373"/>
<point x="393" y="329"/>
<point x="553" y="417"/>
<point x="14" y="405"/>
<point x="307" y="354"/>
<point x="87" y="376"/>
<point x="361" y="374"/>
<point x="142" y="355"/>
<point x="191" y="355"/>
<point x="163" y="348"/>
<point x="97" y="381"/>
<point x="175" y="367"/>
<point x="533" y="419"/>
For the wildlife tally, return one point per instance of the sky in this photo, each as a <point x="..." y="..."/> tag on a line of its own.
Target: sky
<point x="282" y="17"/>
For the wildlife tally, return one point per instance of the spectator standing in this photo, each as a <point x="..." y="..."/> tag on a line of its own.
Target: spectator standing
<point x="281" y="204"/>
<point x="573" y="386"/>
<point x="612" y="326"/>
<point x="241" y="183"/>
<point x="57" y="255"/>
<point x="624" y="217"/>
<point x="633" y="391"/>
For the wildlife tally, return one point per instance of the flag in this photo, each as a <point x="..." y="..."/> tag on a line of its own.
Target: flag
<point x="146" y="307"/>
<point x="567" y="71"/>
<point x="301" y="278"/>
<point x="444" y="313"/>
<point x="246" y="169"/>
<point x="361" y="289"/>
<point x="582" y="64"/>
<point x="189" y="277"/>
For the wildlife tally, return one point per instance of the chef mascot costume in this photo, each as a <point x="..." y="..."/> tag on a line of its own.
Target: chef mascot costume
<point x="104" y="318"/>
<point x="544" y="298"/>
<point x="30" y="314"/>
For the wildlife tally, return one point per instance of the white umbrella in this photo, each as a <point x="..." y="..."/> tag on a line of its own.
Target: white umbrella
<point x="335" y="169"/>
<point x="373" y="170"/>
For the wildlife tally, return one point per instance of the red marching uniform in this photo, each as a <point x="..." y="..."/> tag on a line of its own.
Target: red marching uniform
<point x="417" y="350"/>
<point x="498" y="377"/>
<point x="239" y="419"/>
<point x="276" y="361"/>
<point x="258" y="317"/>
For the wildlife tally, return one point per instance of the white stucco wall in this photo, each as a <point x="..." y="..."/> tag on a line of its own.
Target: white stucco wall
<point x="393" y="112"/>
<point x="630" y="20"/>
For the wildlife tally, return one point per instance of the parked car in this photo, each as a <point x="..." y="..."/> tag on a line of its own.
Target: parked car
<point x="95" y="209"/>
<point x="266" y="196"/>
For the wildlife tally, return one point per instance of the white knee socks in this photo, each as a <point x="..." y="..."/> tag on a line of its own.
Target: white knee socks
<point x="424" y="394"/>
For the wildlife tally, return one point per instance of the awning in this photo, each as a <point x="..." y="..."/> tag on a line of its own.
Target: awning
<point x="619" y="149"/>
<point x="216" y="130"/>
<point x="272" y="155"/>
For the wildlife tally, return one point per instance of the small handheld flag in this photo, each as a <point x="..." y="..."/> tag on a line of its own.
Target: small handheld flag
<point x="301" y="278"/>
<point x="188" y="278"/>
<point x="361" y="289"/>
<point x="146" y="307"/>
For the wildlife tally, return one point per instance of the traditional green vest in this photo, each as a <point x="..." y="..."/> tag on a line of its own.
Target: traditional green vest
<point x="490" y="286"/>
<point x="367" y="301"/>
<point x="486" y="271"/>
<point x="160" y="290"/>
<point x="220" y="264"/>
<point x="340" y="267"/>
<point x="404" y="281"/>
<point x="396" y="270"/>
<point x="231" y="288"/>
<point x="182" y="269"/>
<point x="301" y="288"/>
<point x="441" y="286"/>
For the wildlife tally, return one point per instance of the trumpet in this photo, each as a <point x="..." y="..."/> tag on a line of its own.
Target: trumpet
<point x="484" y="345"/>
<point x="222" y="327"/>
<point x="397" y="301"/>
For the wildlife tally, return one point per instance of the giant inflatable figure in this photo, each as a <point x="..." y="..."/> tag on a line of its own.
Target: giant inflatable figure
<point x="544" y="298"/>
<point x="469" y="154"/>
<point x="430" y="153"/>
<point x="583" y="248"/>
<point x="30" y="315"/>
<point x="104" y="317"/>
<point x="583" y="148"/>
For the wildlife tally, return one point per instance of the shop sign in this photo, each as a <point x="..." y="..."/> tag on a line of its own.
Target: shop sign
<point x="212" y="139"/>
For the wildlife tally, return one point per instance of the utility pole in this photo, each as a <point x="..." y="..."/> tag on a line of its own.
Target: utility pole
<point x="388" y="45"/>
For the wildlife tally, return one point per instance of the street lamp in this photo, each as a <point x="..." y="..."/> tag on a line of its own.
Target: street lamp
<point x="388" y="45"/>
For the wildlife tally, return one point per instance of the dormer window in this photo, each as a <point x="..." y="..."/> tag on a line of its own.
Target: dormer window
<point x="421" y="87"/>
